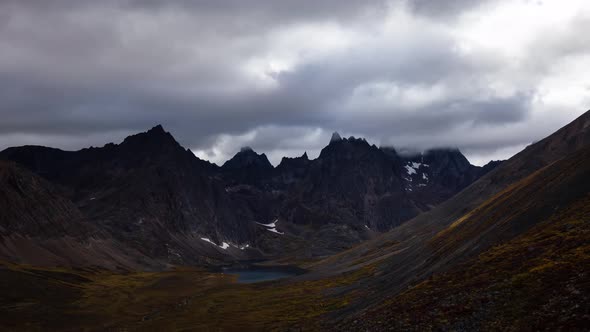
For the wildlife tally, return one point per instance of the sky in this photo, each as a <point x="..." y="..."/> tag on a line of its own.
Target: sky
<point x="486" y="76"/>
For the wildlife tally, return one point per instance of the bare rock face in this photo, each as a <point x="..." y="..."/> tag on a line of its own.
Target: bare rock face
<point x="291" y="170"/>
<point x="32" y="206"/>
<point x="40" y="226"/>
<point x="351" y="183"/>
<point x="357" y="184"/>
<point x="436" y="175"/>
<point x="247" y="167"/>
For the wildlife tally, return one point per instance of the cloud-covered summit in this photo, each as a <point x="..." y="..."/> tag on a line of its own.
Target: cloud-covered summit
<point x="486" y="76"/>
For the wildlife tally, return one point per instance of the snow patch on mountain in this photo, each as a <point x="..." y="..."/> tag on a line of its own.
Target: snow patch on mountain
<point x="271" y="227"/>
<point x="224" y="245"/>
<point x="207" y="240"/>
<point x="413" y="167"/>
<point x="410" y="170"/>
<point x="272" y="224"/>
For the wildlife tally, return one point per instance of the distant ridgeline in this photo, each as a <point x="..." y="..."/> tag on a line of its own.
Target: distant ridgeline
<point x="150" y="202"/>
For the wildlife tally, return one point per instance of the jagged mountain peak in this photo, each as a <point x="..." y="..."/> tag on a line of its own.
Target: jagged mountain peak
<point x="347" y="148"/>
<point x="247" y="158"/>
<point x="335" y="137"/>
<point x="294" y="162"/>
<point x="156" y="136"/>
<point x="440" y="155"/>
<point x="446" y="153"/>
<point x="157" y="129"/>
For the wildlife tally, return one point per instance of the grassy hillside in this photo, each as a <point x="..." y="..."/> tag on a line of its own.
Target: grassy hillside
<point x="534" y="274"/>
<point x="538" y="281"/>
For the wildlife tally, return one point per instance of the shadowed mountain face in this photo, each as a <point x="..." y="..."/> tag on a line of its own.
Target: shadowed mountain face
<point x="31" y="206"/>
<point x="525" y="197"/>
<point x="40" y="226"/>
<point x="247" y="167"/>
<point x="356" y="184"/>
<point x="156" y="197"/>
<point x="291" y="170"/>
<point x="351" y="183"/>
<point x="446" y="170"/>
<point x="147" y="192"/>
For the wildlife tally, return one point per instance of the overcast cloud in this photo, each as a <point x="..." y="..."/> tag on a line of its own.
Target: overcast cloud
<point x="488" y="76"/>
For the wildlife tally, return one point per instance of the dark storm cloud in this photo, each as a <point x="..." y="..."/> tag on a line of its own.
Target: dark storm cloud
<point x="234" y="13"/>
<point x="445" y="9"/>
<point x="277" y="75"/>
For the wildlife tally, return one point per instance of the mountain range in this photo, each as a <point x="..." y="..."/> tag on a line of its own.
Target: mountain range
<point x="153" y="198"/>
<point x="130" y="236"/>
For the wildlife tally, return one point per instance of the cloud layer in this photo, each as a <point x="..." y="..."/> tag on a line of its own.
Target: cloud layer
<point x="486" y="76"/>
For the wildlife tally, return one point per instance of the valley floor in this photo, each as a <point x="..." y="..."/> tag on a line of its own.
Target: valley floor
<point x="182" y="299"/>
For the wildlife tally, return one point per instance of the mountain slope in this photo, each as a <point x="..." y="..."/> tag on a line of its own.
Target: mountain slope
<point x="406" y="254"/>
<point x="39" y="226"/>
<point x="534" y="274"/>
